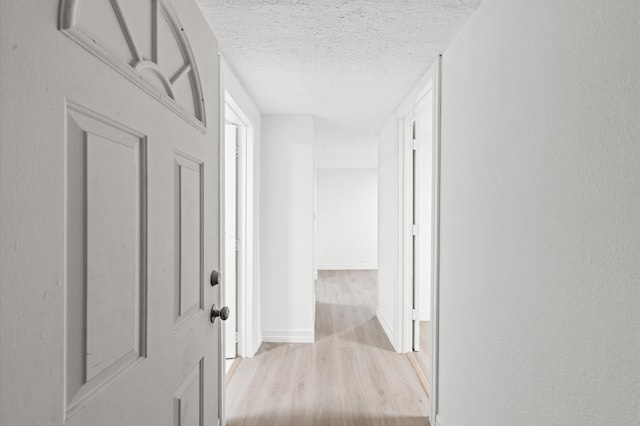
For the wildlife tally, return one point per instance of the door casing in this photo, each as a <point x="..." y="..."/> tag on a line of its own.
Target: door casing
<point x="432" y="81"/>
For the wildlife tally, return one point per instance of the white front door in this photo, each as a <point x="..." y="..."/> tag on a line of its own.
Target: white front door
<point x="110" y="214"/>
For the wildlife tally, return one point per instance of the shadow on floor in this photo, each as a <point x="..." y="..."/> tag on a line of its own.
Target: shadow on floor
<point x="355" y="323"/>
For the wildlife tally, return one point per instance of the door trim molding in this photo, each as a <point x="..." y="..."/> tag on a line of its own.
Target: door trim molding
<point x="246" y="300"/>
<point x="435" y="239"/>
<point x="406" y="116"/>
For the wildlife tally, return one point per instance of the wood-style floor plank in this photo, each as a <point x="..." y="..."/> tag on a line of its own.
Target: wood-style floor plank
<point x="350" y="376"/>
<point x="423" y="357"/>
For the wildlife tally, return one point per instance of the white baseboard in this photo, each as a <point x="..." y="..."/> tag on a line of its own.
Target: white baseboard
<point x="385" y="328"/>
<point x="438" y="421"/>
<point x="348" y="266"/>
<point x="425" y="314"/>
<point x="288" y="336"/>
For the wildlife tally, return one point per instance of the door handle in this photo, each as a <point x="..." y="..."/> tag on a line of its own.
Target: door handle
<point x="223" y="313"/>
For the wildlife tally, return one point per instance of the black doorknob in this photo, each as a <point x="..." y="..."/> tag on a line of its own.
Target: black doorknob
<point x="215" y="278"/>
<point x="223" y="313"/>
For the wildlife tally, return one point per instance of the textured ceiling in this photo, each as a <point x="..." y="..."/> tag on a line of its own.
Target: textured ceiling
<point x="348" y="62"/>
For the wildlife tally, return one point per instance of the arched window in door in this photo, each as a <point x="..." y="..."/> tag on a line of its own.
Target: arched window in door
<point x="146" y="44"/>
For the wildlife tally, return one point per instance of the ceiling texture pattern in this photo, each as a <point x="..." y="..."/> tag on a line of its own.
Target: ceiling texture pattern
<point x="347" y="62"/>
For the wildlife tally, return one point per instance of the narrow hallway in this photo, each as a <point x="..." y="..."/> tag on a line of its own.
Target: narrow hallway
<point x="349" y="376"/>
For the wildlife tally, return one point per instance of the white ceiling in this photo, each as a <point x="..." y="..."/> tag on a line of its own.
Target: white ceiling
<point x="347" y="62"/>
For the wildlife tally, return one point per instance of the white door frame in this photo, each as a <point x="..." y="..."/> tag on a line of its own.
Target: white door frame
<point x="435" y="236"/>
<point x="406" y="117"/>
<point x="245" y="236"/>
<point x="234" y="133"/>
<point x="432" y="82"/>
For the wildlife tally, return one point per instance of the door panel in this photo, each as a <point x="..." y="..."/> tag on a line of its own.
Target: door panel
<point x="189" y="399"/>
<point x="188" y="241"/>
<point x="110" y="215"/>
<point x="105" y="327"/>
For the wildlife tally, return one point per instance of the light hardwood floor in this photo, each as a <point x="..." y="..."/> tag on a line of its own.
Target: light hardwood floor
<point x="424" y="355"/>
<point x="349" y="376"/>
<point x="420" y="360"/>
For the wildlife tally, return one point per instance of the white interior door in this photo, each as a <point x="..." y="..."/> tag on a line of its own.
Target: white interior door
<point x="110" y="222"/>
<point x="230" y="269"/>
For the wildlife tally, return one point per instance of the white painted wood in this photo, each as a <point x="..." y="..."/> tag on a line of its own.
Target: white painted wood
<point x="89" y="218"/>
<point x="413" y="274"/>
<point x="113" y="238"/>
<point x="406" y="325"/>
<point x="230" y="237"/>
<point x="245" y="287"/>
<point x="249" y="118"/>
<point x="187" y="400"/>
<point x="435" y="239"/>
<point x="424" y="138"/>
<point x="422" y="201"/>
<point x="243" y="298"/>
<point x="188" y="241"/>
<point x="148" y="46"/>
<point x="106" y="199"/>
<point x="222" y="384"/>
<point x="413" y="192"/>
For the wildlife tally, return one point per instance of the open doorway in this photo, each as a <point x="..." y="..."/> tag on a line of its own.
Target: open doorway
<point x="345" y="248"/>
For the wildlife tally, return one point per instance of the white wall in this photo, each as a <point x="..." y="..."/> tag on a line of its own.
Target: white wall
<point x="539" y="320"/>
<point x="389" y="223"/>
<point x="346" y="214"/>
<point x="288" y="302"/>
<point x="243" y="100"/>
<point x="340" y="147"/>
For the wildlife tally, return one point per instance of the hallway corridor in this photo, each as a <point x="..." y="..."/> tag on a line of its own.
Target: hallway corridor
<point x="349" y="376"/>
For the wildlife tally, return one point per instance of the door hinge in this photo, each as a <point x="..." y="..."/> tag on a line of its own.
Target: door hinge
<point x="414" y="229"/>
<point x="415" y="315"/>
<point x="237" y="245"/>
<point x="414" y="144"/>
